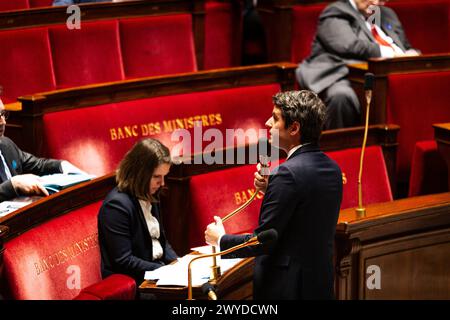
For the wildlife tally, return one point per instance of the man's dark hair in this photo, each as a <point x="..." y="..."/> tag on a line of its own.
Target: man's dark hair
<point x="306" y="108"/>
<point x="136" y="168"/>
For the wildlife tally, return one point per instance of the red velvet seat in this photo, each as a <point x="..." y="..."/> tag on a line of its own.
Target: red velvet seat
<point x="219" y="193"/>
<point x="375" y="180"/>
<point x="40" y="3"/>
<point x="97" y="146"/>
<point x="426" y="23"/>
<point x="165" y="43"/>
<point x="304" y="26"/>
<point x="415" y="102"/>
<point x="428" y="170"/>
<point x="10" y="5"/>
<point x="29" y="49"/>
<point x="86" y="56"/>
<point x="59" y="258"/>
<point x="219" y="37"/>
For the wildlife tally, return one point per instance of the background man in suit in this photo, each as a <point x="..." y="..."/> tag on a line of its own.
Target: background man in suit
<point x="20" y="171"/>
<point x="301" y="202"/>
<point x="347" y="32"/>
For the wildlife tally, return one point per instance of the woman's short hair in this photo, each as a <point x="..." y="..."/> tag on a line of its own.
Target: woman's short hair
<point x="306" y="108"/>
<point x="136" y="168"/>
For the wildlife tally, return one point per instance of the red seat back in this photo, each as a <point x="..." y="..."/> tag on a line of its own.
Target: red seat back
<point x="375" y="180"/>
<point x="304" y="27"/>
<point x="219" y="193"/>
<point x="88" y="55"/>
<point x="428" y="170"/>
<point x="164" y="43"/>
<point x="40" y="3"/>
<point x="10" y="5"/>
<point x="25" y="62"/>
<point x="219" y="35"/>
<point x="415" y="102"/>
<point x="97" y="146"/>
<point x="54" y="260"/>
<point x="426" y="23"/>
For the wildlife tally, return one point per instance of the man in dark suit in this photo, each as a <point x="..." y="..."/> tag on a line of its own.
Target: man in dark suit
<point x="349" y="31"/>
<point x="301" y="202"/>
<point x="20" y="171"/>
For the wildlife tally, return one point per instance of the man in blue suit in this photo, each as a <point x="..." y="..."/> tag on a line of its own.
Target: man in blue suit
<point x="301" y="202"/>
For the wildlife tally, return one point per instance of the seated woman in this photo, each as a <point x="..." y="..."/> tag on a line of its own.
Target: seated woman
<point x="130" y="230"/>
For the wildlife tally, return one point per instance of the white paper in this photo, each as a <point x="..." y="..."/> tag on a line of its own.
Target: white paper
<point x="7" y="207"/>
<point x="176" y="274"/>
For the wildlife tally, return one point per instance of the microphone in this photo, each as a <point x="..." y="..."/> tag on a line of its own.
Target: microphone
<point x="369" y="78"/>
<point x="209" y="290"/>
<point x="264" y="237"/>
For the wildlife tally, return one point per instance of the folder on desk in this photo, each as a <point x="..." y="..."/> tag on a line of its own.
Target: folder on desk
<point x="59" y="181"/>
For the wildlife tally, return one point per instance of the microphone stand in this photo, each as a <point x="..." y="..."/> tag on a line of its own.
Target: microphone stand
<point x="251" y="242"/>
<point x="360" y="210"/>
<point x="215" y="268"/>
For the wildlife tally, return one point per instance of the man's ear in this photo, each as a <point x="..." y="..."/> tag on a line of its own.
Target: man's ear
<point x="294" y="128"/>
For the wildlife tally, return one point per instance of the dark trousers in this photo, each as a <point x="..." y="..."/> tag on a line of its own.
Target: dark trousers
<point x="343" y="108"/>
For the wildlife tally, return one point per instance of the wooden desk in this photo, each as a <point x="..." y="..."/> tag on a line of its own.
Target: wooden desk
<point x="235" y="284"/>
<point x="409" y="240"/>
<point x="382" y="68"/>
<point x="442" y="137"/>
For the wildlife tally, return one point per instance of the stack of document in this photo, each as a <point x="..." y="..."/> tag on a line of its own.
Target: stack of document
<point x="59" y="181"/>
<point x="176" y="274"/>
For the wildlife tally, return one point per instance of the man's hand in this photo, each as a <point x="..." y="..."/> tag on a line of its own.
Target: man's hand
<point x="260" y="181"/>
<point x="28" y="184"/>
<point x="214" y="231"/>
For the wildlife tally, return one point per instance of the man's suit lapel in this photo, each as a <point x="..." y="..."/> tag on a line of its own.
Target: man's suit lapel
<point x="359" y="19"/>
<point x="387" y="28"/>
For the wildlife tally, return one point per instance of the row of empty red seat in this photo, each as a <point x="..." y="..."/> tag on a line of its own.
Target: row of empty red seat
<point x="48" y="58"/>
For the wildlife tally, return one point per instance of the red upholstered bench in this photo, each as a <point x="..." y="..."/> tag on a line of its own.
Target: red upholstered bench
<point x="219" y="193"/>
<point x="428" y="170"/>
<point x="96" y="138"/>
<point x="426" y="23"/>
<point x="9" y="5"/>
<point x="60" y="259"/>
<point x="304" y="26"/>
<point x="415" y="101"/>
<point x="53" y="57"/>
<point x="375" y="180"/>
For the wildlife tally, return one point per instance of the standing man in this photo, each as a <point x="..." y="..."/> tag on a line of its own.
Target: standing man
<point x="20" y="171"/>
<point x="301" y="202"/>
<point x="348" y="32"/>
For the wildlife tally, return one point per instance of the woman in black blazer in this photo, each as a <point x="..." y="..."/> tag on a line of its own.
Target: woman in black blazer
<point x="130" y="229"/>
